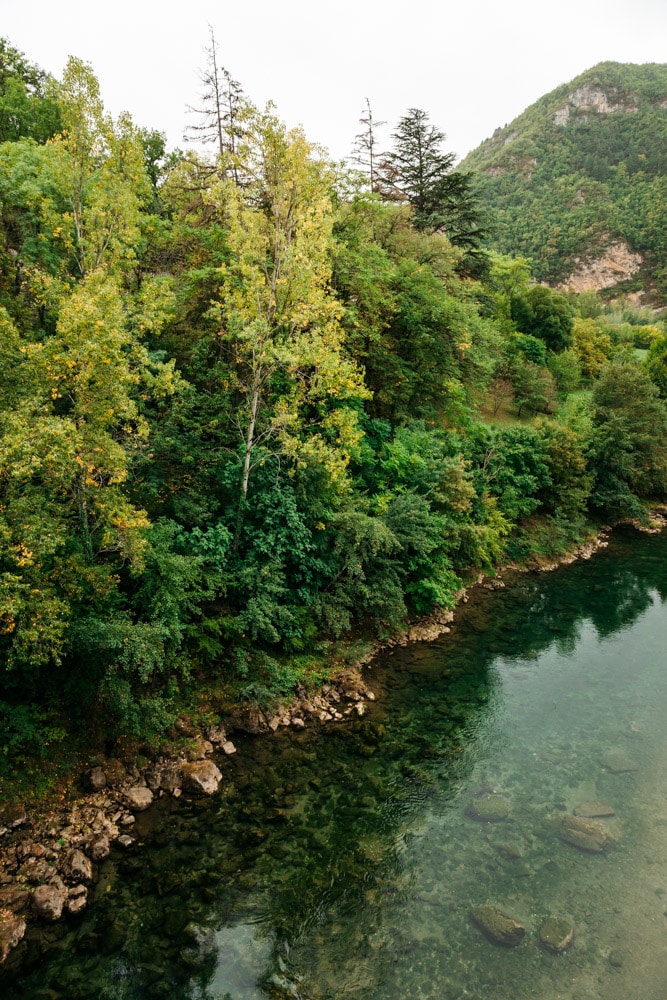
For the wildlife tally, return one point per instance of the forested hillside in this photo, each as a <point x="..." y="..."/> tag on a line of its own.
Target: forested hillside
<point x="579" y="179"/>
<point x="253" y="405"/>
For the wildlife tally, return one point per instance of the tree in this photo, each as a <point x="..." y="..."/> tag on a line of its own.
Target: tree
<point x="222" y="109"/>
<point x="28" y="108"/>
<point x="280" y="321"/>
<point x="421" y="173"/>
<point x="542" y="313"/>
<point x="366" y="152"/>
<point x="629" y="440"/>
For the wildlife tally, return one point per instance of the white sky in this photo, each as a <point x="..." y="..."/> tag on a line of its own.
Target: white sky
<point x="472" y="64"/>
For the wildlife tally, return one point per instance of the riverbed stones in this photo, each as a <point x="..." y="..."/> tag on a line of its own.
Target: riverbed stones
<point x="48" y="901"/>
<point x="201" y="777"/>
<point x="12" y="929"/>
<point x="556" y="934"/>
<point x="488" y="809"/>
<point x="138" y="798"/>
<point x="586" y="834"/>
<point x="594" y="810"/>
<point x="497" y="927"/>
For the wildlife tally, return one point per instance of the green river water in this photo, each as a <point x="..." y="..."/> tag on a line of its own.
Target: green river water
<point x="342" y="863"/>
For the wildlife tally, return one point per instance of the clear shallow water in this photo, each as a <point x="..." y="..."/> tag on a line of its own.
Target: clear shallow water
<point x="343" y="864"/>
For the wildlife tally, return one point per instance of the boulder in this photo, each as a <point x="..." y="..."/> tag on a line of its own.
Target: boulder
<point x="78" y="868"/>
<point x="99" y="847"/>
<point x="12" y="929"/>
<point x="138" y="798"/>
<point x="497" y="927"/>
<point x="586" y="834"/>
<point x="556" y="934"/>
<point x="95" y="779"/>
<point x="488" y="809"/>
<point x="77" y="899"/>
<point x="201" y="777"/>
<point x="48" y="902"/>
<point x="14" y="898"/>
<point x="165" y="775"/>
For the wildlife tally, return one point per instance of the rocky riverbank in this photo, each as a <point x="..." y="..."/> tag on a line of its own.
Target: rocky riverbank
<point x="48" y="859"/>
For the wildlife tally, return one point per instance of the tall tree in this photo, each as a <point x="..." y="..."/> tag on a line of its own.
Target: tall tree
<point x="221" y="111"/>
<point x="366" y="148"/>
<point x="280" y="319"/>
<point x="443" y="200"/>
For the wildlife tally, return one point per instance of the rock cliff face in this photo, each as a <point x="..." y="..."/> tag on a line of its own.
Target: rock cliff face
<point x="587" y="99"/>
<point x="616" y="263"/>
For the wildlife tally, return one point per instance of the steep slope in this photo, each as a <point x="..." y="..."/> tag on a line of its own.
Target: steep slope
<point x="578" y="181"/>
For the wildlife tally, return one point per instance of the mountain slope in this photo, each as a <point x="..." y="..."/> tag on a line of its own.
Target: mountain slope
<point x="578" y="181"/>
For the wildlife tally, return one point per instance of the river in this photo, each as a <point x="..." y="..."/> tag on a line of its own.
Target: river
<point x="345" y="863"/>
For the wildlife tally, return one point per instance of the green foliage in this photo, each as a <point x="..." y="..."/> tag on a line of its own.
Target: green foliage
<point x="238" y="409"/>
<point x="544" y="314"/>
<point x="629" y="440"/>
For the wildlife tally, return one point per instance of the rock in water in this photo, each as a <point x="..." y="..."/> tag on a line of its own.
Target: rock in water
<point x="12" y="930"/>
<point x="78" y="868"/>
<point x="556" y="934"/>
<point x="138" y="798"/>
<point x="488" y="809"/>
<point x="497" y="927"/>
<point x="201" y="777"/>
<point x="618" y="762"/>
<point x="587" y="835"/>
<point x="592" y="810"/>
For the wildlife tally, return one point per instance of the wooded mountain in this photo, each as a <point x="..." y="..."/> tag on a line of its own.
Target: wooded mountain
<point x="577" y="182"/>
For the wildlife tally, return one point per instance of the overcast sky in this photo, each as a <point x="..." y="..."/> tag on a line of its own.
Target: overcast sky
<point x="472" y="64"/>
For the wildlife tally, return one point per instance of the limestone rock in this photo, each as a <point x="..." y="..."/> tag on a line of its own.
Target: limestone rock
<point x="138" y="798"/>
<point x="12" y="929"/>
<point x="77" y="899"/>
<point x="14" y="898"/>
<point x="488" y="809"/>
<point x="587" y="835"/>
<point x="78" y="867"/>
<point x="201" y="777"/>
<point x="48" y="902"/>
<point x="497" y="927"/>
<point x="593" y="810"/>
<point x="99" y="848"/>
<point x="125" y="842"/>
<point x="228" y="747"/>
<point x="556" y="933"/>
<point x="95" y="779"/>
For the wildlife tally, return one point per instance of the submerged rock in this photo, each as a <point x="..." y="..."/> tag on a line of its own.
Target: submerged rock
<point x="489" y="809"/>
<point x="587" y="835"/>
<point x="202" y="777"/>
<point x="556" y="934"/>
<point x="497" y="927"/>
<point x="591" y="810"/>
<point x="618" y="762"/>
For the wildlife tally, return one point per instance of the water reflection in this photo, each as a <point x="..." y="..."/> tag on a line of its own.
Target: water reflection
<point x="343" y="864"/>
